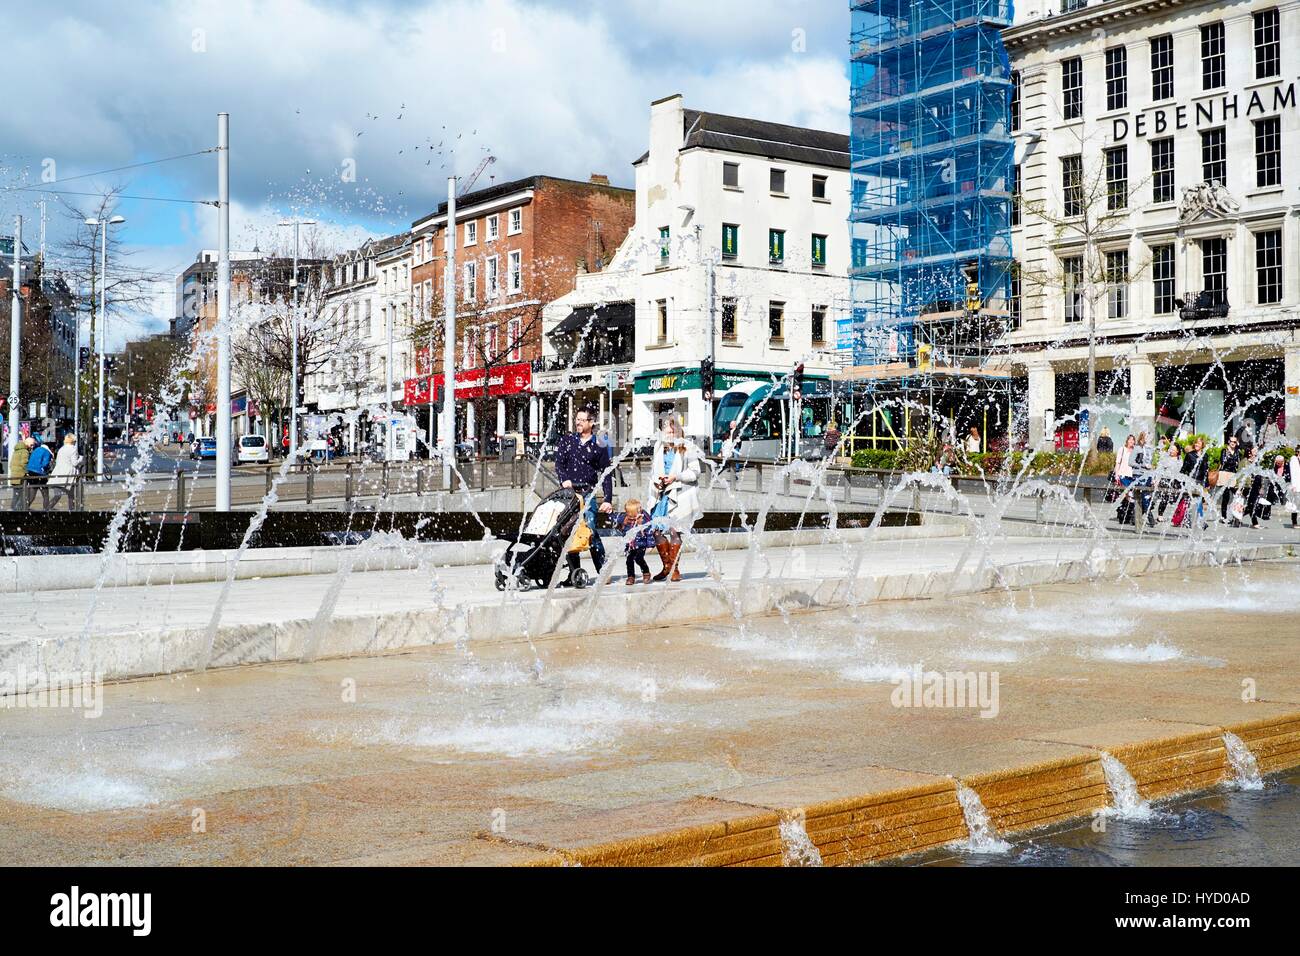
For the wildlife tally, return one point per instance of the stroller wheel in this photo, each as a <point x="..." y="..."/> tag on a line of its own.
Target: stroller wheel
<point x="580" y="578"/>
<point x="501" y="580"/>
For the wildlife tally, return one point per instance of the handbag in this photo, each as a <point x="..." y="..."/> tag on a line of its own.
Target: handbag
<point x="1114" y="489"/>
<point x="1180" y="513"/>
<point x="581" y="540"/>
<point x="1224" y="479"/>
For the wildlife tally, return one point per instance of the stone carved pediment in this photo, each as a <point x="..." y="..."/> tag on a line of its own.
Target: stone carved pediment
<point x="1206" y="200"/>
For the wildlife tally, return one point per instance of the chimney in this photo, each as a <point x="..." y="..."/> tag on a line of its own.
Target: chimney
<point x="599" y="179"/>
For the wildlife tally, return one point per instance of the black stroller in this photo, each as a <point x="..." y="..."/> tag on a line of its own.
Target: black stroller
<point x="539" y="547"/>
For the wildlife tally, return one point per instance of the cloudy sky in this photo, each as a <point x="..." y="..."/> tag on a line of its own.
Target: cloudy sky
<point x="354" y="113"/>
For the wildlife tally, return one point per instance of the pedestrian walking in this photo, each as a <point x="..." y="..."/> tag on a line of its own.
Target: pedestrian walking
<point x="18" y="473"/>
<point x="1293" y="474"/>
<point x="1249" y="484"/>
<point x="636" y="522"/>
<point x="973" y="443"/>
<point x="1168" y="468"/>
<point x="1226" y="475"/>
<point x="39" y="463"/>
<point x="582" y="463"/>
<point x="674" y="495"/>
<point x="63" y="480"/>
<point x="1105" y="444"/>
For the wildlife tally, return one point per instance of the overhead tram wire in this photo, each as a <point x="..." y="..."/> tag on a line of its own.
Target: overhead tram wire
<point x="118" y="169"/>
<point x="69" y="192"/>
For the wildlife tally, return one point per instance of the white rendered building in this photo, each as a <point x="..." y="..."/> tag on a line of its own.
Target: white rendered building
<point x="739" y="253"/>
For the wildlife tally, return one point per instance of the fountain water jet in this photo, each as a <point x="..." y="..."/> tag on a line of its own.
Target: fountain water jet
<point x="1245" y="769"/>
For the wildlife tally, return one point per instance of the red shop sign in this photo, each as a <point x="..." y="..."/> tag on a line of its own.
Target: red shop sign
<point x="506" y="380"/>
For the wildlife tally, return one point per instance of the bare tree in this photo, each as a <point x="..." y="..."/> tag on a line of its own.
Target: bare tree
<point x="77" y="261"/>
<point x="1090" y="212"/>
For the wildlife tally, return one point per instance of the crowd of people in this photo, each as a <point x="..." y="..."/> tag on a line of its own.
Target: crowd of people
<point x="1168" y="481"/>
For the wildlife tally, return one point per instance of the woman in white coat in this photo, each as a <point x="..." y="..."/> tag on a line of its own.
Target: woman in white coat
<point x="64" y="476"/>
<point x="1293" y="474"/>
<point x="674" y="494"/>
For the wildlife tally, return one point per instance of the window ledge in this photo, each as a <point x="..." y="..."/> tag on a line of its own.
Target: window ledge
<point x="660" y="345"/>
<point x="1266" y="191"/>
<point x="731" y="344"/>
<point x="821" y="199"/>
<point x="1160" y="206"/>
<point x="780" y="195"/>
<point x="732" y="189"/>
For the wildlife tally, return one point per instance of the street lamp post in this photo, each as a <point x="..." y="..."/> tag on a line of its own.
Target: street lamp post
<point x="102" y="225"/>
<point x="293" y="283"/>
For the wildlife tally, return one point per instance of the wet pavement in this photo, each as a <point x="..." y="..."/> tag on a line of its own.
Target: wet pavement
<point x="411" y="758"/>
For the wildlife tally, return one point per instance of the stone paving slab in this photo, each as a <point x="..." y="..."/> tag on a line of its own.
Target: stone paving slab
<point x="632" y="747"/>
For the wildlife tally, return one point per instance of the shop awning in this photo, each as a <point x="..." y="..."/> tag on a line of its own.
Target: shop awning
<point x="610" y="316"/>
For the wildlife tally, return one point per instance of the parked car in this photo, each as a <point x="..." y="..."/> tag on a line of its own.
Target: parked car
<point x="253" y="449"/>
<point x="203" y="448"/>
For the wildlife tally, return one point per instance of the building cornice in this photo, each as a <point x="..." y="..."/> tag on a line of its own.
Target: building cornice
<point x="1086" y="20"/>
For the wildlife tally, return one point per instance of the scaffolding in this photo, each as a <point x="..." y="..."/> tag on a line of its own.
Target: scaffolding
<point x="933" y="156"/>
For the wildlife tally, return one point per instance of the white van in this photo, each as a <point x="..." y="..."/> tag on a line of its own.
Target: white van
<point x="252" y="449"/>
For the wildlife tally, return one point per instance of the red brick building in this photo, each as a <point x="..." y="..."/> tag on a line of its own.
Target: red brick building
<point x="518" y="246"/>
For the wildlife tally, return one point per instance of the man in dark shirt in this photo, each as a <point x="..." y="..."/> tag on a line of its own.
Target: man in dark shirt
<point x="580" y="461"/>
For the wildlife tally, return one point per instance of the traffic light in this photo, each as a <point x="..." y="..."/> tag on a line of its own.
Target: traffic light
<point x="706" y="379"/>
<point x="796" y="383"/>
<point x="85" y="356"/>
<point x="435" y="400"/>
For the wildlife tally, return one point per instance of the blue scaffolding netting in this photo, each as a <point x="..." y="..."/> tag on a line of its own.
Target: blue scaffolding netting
<point x="933" y="160"/>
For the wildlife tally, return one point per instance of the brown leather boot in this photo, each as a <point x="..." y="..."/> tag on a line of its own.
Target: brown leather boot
<point x="677" y="550"/>
<point x="665" y="550"/>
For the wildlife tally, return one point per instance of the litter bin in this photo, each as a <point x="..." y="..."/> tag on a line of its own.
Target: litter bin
<point x="508" y="448"/>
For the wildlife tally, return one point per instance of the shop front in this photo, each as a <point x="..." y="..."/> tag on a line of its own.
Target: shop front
<point x="676" y="392"/>
<point x="489" y="402"/>
<point x="560" y="393"/>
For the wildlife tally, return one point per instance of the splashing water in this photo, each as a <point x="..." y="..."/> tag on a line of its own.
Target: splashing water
<point x="1127" y="803"/>
<point x="983" y="836"/>
<point x="1245" y="770"/>
<point x="797" y="847"/>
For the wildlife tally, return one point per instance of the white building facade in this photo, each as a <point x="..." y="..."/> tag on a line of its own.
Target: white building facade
<point x="738" y="254"/>
<point x="1184" y="115"/>
<point x="367" y="314"/>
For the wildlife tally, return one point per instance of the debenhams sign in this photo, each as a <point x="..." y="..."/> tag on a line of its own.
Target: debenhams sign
<point x="1211" y="112"/>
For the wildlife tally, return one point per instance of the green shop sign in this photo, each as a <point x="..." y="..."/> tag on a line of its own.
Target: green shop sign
<point x="688" y="380"/>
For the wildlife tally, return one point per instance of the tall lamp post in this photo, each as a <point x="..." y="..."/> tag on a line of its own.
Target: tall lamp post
<point x="293" y="284"/>
<point x="102" y="225"/>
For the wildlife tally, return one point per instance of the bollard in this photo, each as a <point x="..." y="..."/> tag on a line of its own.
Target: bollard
<point x="347" y="486"/>
<point x="419" y="479"/>
<point x="785" y="487"/>
<point x="1038" y="507"/>
<point x="180" y="489"/>
<point x="758" y="477"/>
<point x="848" y="488"/>
<point x="916" y="498"/>
<point x="268" y="479"/>
<point x="311" y="483"/>
<point x="383" y="470"/>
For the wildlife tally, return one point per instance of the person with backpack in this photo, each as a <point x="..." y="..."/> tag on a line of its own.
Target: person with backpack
<point x="39" y="463"/>
<point x="18" y="472"/>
